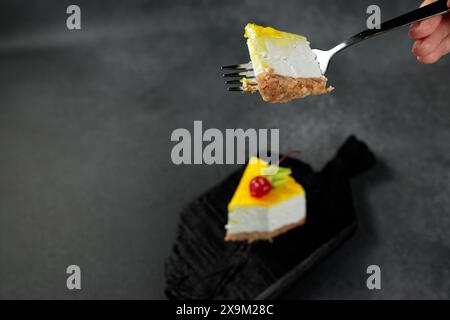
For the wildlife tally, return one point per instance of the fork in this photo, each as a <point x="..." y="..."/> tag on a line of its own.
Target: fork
<point x="244" y="71"/>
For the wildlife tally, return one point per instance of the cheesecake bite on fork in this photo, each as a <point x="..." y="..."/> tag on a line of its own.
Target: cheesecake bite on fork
<point x="282" y="67"/>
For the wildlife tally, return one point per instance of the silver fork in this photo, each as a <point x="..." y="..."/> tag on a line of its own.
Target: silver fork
<point x="324" y="56"/>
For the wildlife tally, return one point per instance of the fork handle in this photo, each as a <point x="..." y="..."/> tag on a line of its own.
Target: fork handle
<point x="436" y="8"/>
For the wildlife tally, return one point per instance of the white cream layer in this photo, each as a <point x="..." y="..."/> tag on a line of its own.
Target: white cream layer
<point x="288" y="57"/>
<point x="259" y="218"/>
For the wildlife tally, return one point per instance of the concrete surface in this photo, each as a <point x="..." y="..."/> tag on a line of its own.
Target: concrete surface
<point x="85" y="124"/>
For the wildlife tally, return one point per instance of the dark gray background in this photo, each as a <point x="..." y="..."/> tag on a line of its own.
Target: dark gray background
<point x="85" y="123"/>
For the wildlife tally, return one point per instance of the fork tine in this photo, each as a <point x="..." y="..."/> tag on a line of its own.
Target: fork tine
<point x="240" y="89"/>
<point x="238" y="66"/>
<point x="239" y="74"/>
<point x="235" y="89"/>
<point x="237" y="69"/>
<point x="247" y="89"/>
<point x="238" y="81"/>
<point x="233" y="82"/>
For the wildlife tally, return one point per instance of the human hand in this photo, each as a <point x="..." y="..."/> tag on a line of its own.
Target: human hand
<point x="432" y="37"/>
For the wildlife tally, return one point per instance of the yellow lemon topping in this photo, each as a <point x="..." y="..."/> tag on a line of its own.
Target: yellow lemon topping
<point x="242" y="196"/>
<point x="253" y="30"/>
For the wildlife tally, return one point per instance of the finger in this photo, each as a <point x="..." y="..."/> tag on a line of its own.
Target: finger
<point x="424" y="3"/>
<point x="428" y="44"/>
<point x="442" y="49"/>
<point x="426" y="27"/>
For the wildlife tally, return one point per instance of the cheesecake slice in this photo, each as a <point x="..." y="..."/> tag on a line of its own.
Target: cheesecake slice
<point x="262" y="216"/>
<point x="285" y="67"/>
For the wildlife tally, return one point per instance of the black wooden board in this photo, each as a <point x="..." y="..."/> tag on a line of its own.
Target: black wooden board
<point x="203" y="266"/>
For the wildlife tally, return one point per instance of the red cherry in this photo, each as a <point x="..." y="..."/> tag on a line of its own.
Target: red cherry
<point x="260" y="186"/>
